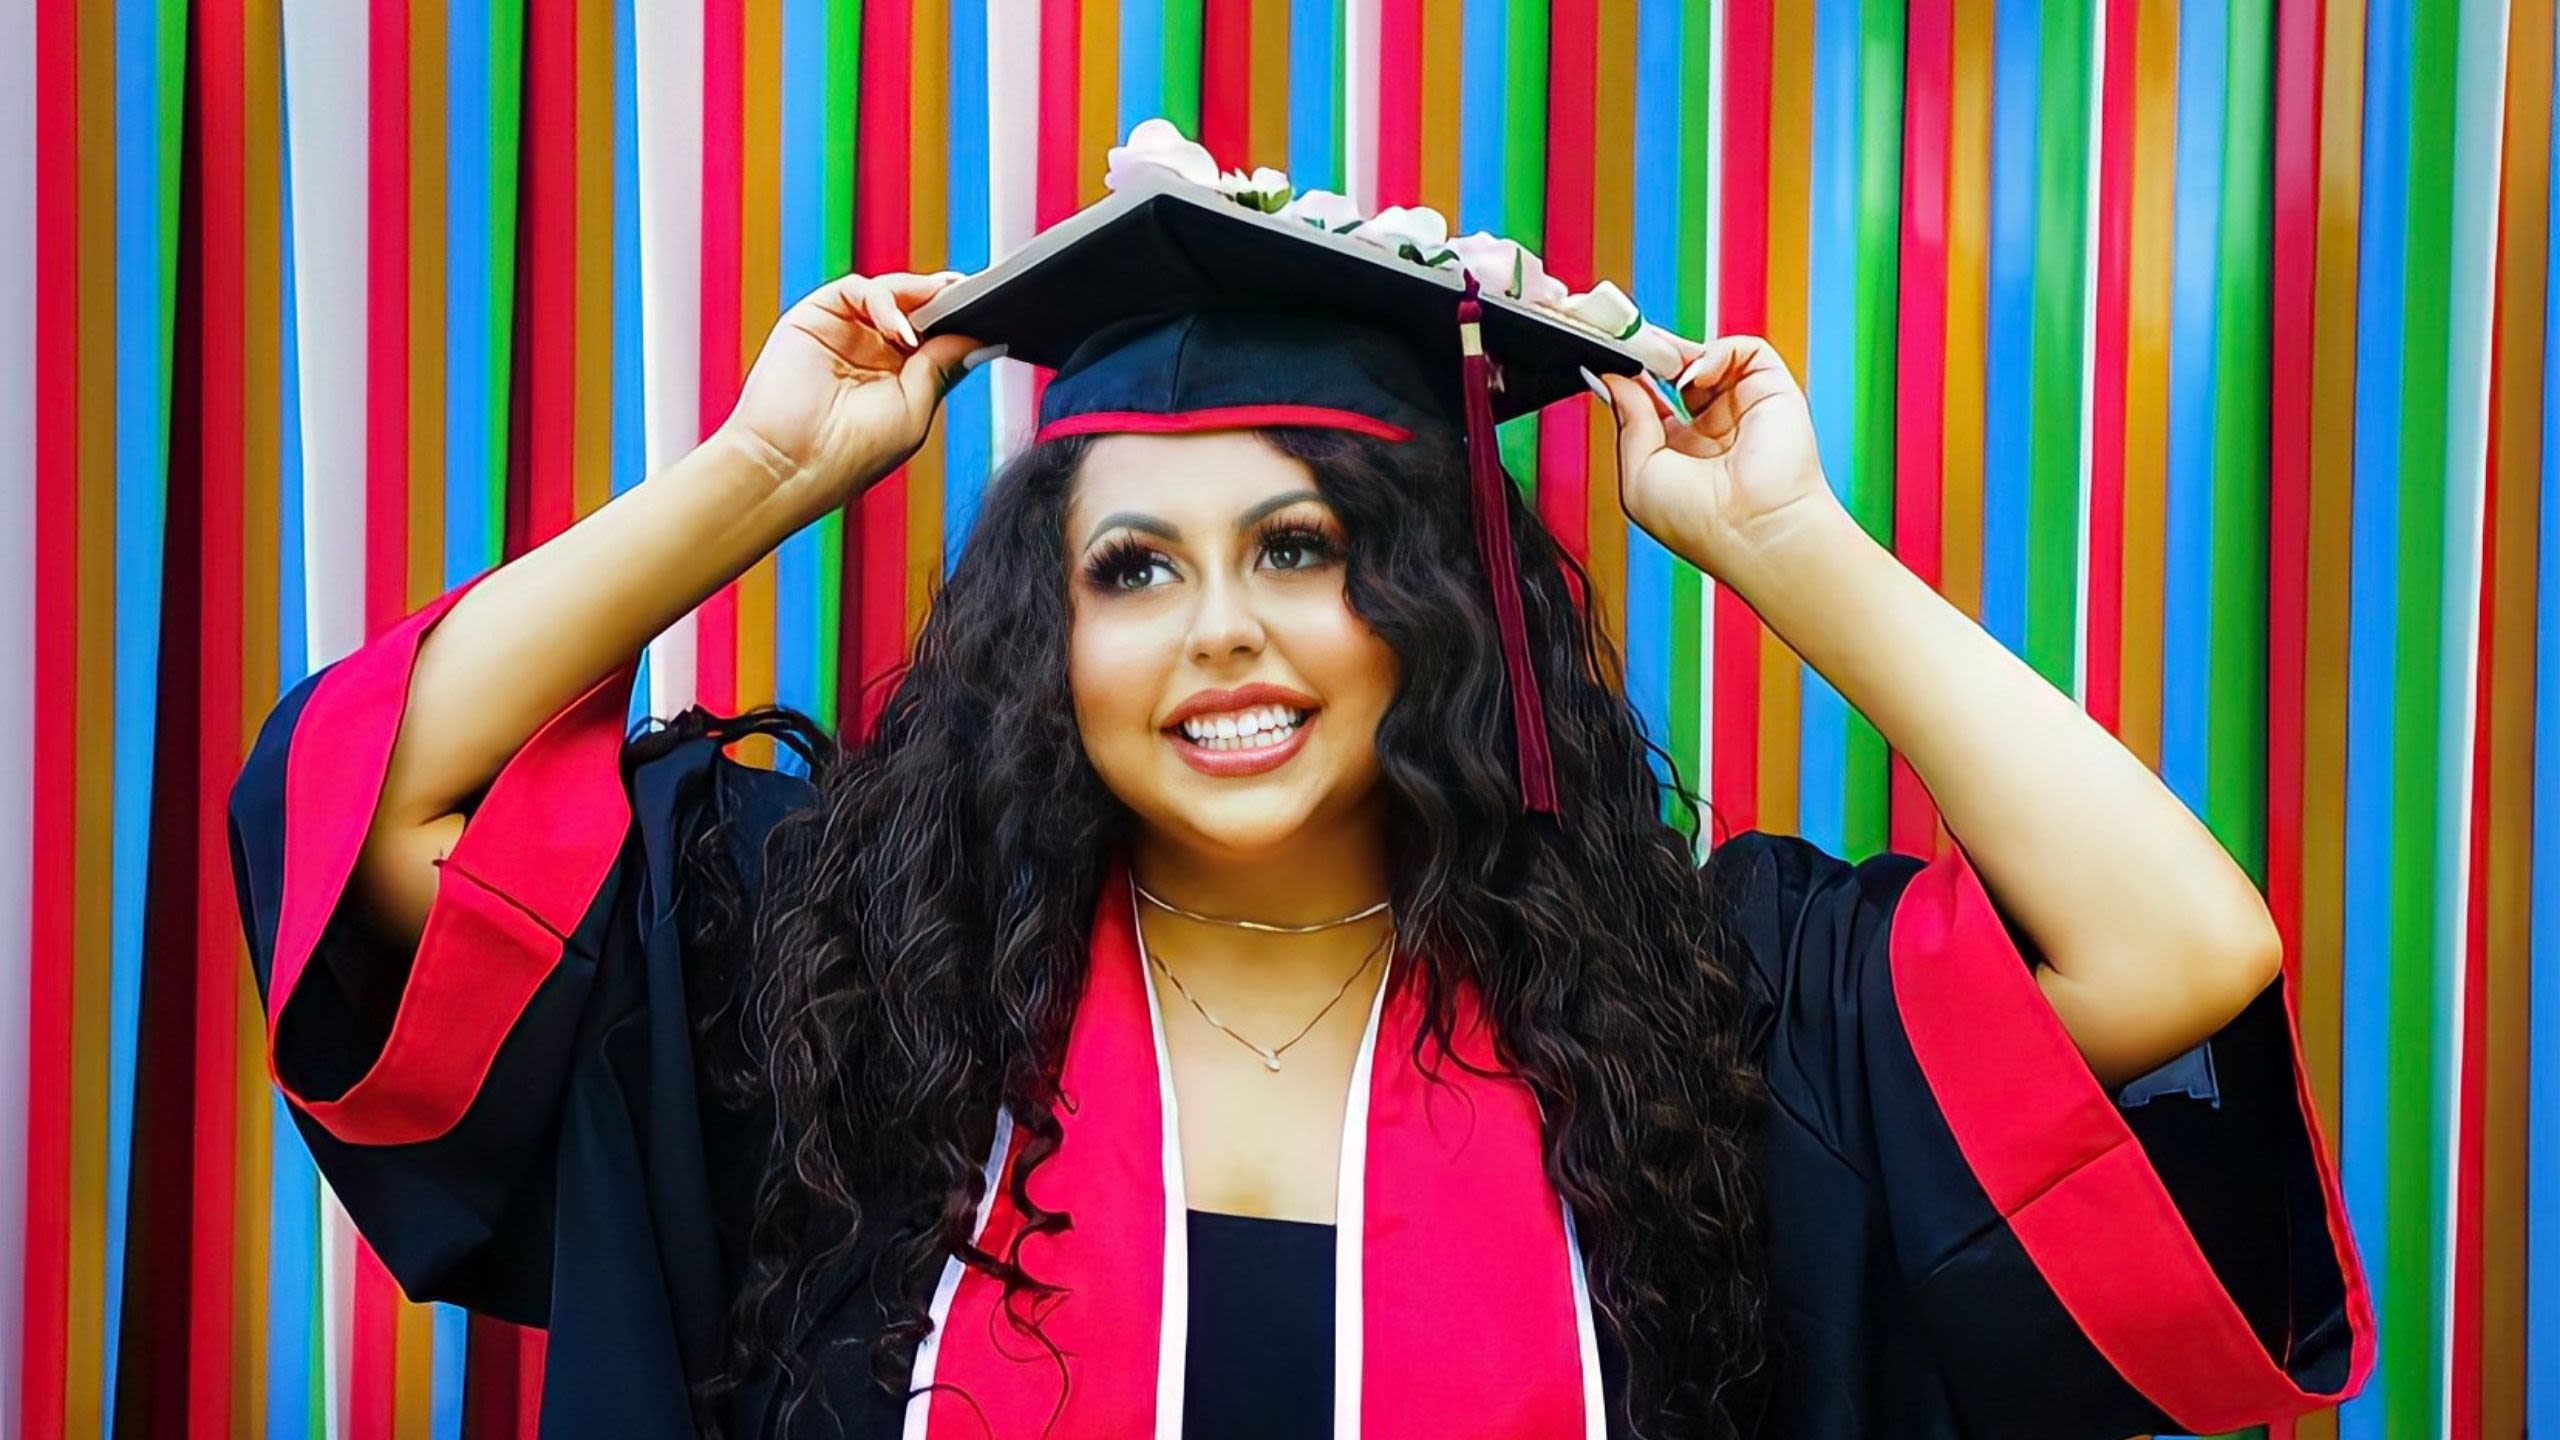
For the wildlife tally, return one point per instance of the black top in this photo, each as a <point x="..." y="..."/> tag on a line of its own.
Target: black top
<point x="1260" y="1364"/>
<point x="1955" y="1215"/>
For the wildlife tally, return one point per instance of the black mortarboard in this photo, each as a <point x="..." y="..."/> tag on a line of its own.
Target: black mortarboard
<point x="1170" y="306"/>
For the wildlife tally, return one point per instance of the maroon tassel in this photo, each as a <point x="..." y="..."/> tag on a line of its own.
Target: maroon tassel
<point x="1493" y="547"/>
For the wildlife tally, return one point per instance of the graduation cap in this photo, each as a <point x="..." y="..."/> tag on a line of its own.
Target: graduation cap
<point x="1187" y="300"/>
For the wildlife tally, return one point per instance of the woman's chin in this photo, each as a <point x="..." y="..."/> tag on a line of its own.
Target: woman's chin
<point x="1241" y="820"/>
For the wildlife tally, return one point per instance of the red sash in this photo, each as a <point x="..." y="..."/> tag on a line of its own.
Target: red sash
<point x="1459" y="1296"/>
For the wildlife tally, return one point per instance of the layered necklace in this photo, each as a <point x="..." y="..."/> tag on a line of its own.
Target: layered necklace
<point x="1269" y="1054"/>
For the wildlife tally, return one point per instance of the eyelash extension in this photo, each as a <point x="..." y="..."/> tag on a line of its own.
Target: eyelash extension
<point x="1116" y="560"/>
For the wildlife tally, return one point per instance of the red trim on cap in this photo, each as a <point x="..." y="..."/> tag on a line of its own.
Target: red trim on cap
<point x="528" y="863"/>
<point x="2064" y="1170"/>
<point x="1221" y="417"/>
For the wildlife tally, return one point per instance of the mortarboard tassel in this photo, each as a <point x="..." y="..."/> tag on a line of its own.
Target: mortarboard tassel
<point x="1493" y="548"/>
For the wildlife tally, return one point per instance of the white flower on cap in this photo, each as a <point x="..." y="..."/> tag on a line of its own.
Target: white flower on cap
<point x="1509" y="268"/>
<point x="1413" y="232"/>
<point x="1324" y="209"/>
<point x="1417" y="232"/>
<point x="1266" y="189"/>
<point x="1604" y="308"/>
<point x="1160" y="144"/>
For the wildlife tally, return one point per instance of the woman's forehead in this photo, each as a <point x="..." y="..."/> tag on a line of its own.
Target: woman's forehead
<point x="1207" y="475"/>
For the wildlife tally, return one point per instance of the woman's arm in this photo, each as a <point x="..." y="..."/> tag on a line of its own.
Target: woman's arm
<point x="840" y="396"/>
<point x="2152" y="937"/>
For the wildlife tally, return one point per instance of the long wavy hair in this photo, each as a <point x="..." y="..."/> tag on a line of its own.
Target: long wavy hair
<point x="918" y="958"/>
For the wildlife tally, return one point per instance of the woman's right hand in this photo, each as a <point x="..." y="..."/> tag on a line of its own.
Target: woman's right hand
<point x="842" y="394"/>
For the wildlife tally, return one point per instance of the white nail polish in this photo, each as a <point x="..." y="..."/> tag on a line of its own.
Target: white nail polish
<point x="1596" y="387"/>
<point x="981" y="356"/>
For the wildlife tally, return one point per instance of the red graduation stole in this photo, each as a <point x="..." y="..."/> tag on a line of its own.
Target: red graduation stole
<point x="1459" y="1297"/>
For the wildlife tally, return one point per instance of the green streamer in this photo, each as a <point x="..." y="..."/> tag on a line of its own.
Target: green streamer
<point x="1688" y="587"/>
<point x="2056" y="343"/>
<point x="1182" y="64"/>
<point x="172" y="75"/>
<point x="1867" y="783"/>
<point x="506" y="128"/>
<point x="2412" y="1325"/>
<point x="841" y="160"/>
<point x="2236" y="698"/>
<point x="1524" y="186"/>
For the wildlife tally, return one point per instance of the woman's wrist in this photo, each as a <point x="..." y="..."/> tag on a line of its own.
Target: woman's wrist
<point x="761" y="491"/>
<point x="1774" y="554"/>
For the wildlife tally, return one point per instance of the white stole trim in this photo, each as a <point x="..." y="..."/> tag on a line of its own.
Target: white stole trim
<point x="1595" y="1420"/>
<point x="1350" y="1217"/>
<point x="1173" y="1330"/>
<point x="929" y="1352"/>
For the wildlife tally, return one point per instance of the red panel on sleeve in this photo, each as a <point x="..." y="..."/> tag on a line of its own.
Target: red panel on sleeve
<point x="529" y="863"/>
<point x="2064" y="1169"/>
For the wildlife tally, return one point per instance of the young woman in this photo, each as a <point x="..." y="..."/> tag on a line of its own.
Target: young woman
<point x="1171" y="1019"/>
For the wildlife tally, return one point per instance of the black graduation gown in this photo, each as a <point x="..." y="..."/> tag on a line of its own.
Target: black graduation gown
<point x="1967" y="1236"/>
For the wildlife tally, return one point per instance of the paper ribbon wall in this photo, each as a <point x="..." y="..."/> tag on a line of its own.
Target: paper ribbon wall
<point x="2201" y="349"/>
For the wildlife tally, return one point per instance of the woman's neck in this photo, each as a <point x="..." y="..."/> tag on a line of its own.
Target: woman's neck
<point x="1325" y="879"/>
<point x="1307" y="884"/>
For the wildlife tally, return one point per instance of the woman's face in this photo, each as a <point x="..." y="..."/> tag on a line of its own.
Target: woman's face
<point x="1225" y="690"/>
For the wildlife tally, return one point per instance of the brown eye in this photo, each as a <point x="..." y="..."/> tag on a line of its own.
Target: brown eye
<point x="1298" y="547"/>
<point x="1123" y="565"/>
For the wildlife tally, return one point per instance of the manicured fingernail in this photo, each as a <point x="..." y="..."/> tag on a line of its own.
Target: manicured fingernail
<point x="1597" y="388"/>
<point x="1690" y="373"/>
<point x="1671" y="399"/>
<point x="908" y="328"/>
<point x="981" y="356"/>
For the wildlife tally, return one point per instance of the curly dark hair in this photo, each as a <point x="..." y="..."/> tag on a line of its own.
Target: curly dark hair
<point x="920" y="957"/>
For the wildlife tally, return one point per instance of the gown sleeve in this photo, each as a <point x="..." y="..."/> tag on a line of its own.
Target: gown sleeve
<point x="513" y="1100"/>
<point x="1968" y="1235"/>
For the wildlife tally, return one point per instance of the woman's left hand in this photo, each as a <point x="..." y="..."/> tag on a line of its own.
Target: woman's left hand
<point x="1719" y="488"/>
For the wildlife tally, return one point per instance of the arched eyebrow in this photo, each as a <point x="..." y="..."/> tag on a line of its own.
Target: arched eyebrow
<point x="1168" y="531"/>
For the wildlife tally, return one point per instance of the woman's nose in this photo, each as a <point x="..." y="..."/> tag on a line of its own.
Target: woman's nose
<point x="1223" y="623"/>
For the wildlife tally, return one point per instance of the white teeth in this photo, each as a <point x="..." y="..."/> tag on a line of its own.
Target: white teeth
<point x="1253" y="729"/>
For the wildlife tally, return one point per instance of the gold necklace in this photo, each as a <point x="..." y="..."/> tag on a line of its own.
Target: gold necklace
<point x="1270" y="1054"/>
<point x="1268" y="929"/>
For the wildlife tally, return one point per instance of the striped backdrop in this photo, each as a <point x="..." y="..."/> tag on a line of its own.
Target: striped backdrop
<point x="2206" y="350"/>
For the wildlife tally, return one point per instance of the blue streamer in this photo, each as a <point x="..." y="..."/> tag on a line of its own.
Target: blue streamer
<point x="1480" y="62"/>
<point x="2373" y="597"/>
<point x="141" y="471"/>
<point x="1656" y="273"/>
<point x="472" y="534"/>
<point x="445" y="1392"/>
<point x="1315" y="105"/>
<point x="293" y="614"/>
<point x="293" y="1182"/>
<point x="969" y="426"/>
<point x="796" y="600"/>
<point x="1831" y="238"/>
<point x="2186" y="613"/>
<point x="628" y="461"/>
<point x="2008" y="338"/>
<point x="1141" y="66"/>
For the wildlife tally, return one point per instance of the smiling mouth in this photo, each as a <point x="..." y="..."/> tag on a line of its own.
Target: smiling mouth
<point x="1242" y="743"/>
<point x="1260" y="728"/>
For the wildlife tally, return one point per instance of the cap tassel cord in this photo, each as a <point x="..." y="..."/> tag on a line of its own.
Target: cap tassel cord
<point x="1493" y="548"/>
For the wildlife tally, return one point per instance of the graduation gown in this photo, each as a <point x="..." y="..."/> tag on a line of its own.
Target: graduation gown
<point x="1967" y="1235"/>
